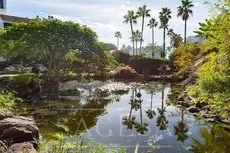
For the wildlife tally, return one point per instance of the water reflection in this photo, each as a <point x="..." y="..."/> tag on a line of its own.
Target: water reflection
<point x="181" y="128"/>
<point x="161" y="119"/>
<point x="147" y="121"/>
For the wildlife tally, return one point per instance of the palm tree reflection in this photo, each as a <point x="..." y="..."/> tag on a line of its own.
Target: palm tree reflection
<point x="161" y="119"/>
<point x="150" y="112"/>
<point x="141" y="127"/>
<point x="130" y="120"/>
<point x="181" y="129"/>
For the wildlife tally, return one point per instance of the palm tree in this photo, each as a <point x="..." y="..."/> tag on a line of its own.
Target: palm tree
<point x="118" y="36"/>
<point x="131" y="18"/>
<point x="136" y="38"/>
<point x="165" y="15"/>
<point x="175" y="39"/>
<point x="152" y="24"/>
<point x="185" y="11"/>
<point x="143" y="12"/>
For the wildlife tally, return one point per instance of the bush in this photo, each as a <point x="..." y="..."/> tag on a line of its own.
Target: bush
<point x="125" y="72"/>
<point x="25" y="84"/>
<point x="8" y="100"/>
<point x="141" y="63"/>
<point x="184" y="57"/>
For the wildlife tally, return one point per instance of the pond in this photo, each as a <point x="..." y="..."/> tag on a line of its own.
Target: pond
<point x="117" y="113"/>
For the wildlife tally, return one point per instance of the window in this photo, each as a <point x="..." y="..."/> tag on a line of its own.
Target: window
<point x="7" y="24"/>
<point x="1" y="4"/>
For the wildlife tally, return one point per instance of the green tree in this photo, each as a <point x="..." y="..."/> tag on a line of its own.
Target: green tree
<point x="48" y="41"/>
<point x="118" y="36"/>
<point x="152" y="24"/>
<point x="184" y="11"/>
<point x="136" y="38"/>
<point x="143" y="12"/>
<point x="165" y="15"/>
<point x="131" y="18"/>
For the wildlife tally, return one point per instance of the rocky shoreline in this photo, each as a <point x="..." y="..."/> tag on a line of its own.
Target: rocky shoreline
<point x="199" y="109"/>
<point x="17" y="134"/>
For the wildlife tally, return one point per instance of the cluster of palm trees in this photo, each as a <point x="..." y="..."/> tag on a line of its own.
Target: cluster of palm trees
<point x="184" y="11"/>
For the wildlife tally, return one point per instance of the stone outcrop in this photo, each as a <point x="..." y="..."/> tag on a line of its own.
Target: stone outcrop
<point x="21" y="148"/>
<point x="20" y="133"/>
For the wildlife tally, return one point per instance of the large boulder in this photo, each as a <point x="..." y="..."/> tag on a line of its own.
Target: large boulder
<point x="25" y="147"/>
<point x="18" y="129"/>
<point x="193" y="109"/>
<point x="4" y="113"/>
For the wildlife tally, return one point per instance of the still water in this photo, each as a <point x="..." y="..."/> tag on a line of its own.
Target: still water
<point x="118" y="113"/>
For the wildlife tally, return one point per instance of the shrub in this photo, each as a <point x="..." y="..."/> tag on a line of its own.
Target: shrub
<point x="141" y="63"/>
<point x="8" y="99"/>
<point x="125" y="72"/>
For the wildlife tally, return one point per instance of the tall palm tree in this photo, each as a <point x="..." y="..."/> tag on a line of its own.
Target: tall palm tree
<point x="184" y="11"/>
<point x="118" y="36"/>
<point x="165" y="15"/>
<point x="136" y="38"/>
<point x="143" y="12"/>
<point x="152" y="24"/>
<point x="131" y="18"/>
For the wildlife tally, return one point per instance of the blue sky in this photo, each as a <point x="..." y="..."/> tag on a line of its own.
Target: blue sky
<point x="106" y="16"/>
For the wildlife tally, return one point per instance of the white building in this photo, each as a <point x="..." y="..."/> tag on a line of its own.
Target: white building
<point x="2" y="6"/>
<point x="194" y="39"/>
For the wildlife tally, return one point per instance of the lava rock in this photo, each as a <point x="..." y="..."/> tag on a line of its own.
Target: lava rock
<point x="207" y="108"/>
<point x="180" y="98"/>
<point x="193" y="109"/>
<point x="21" y="148"/>
<point x="18" y="129"/>
<point x="201" y="104"/>
<point x="4" y="113"/>
<point x="184" y="104"/>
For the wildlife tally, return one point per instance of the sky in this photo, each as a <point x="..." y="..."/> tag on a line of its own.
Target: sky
<point x="106" y="16"/>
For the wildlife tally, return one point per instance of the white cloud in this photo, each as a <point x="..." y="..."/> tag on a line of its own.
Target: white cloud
<point x="107" y="17"/>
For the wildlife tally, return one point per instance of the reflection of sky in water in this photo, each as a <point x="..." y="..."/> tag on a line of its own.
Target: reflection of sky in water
<point x="109" y="128"/>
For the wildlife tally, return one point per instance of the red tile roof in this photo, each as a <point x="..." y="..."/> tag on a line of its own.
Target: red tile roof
<point x="9" y="18"/>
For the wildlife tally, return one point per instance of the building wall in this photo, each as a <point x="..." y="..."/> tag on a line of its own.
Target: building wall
<point x="3" y="10"/>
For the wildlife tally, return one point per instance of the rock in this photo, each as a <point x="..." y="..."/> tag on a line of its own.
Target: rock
<point x="180" y="98"/>
<point x="226" y="122"/>
<point x="184" y="103"/>
<point x="25" y="147"/>
<point x="206" y="116"/>
<point x="4" y="113"/>
<point x="3" y="147"/>
<point x="18" y="129"/>
<point x="193" y="109"/>
<point x="206" y="108"/>
<point x="210" y="120"/>
<point x="201" y="104"/>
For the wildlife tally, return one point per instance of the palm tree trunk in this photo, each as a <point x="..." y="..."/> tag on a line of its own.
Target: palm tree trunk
<point x="185" y="31"/>
<point x="136" y="47"/>
<point x="117" y="43"/>
<point x="153" y="40"/>
<point x="151" y="100"/>
<point x="142" y="30"/>
<point x="162" y="106"/>
<point x="131" y="24"/>
<point x="163" y="55"/>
